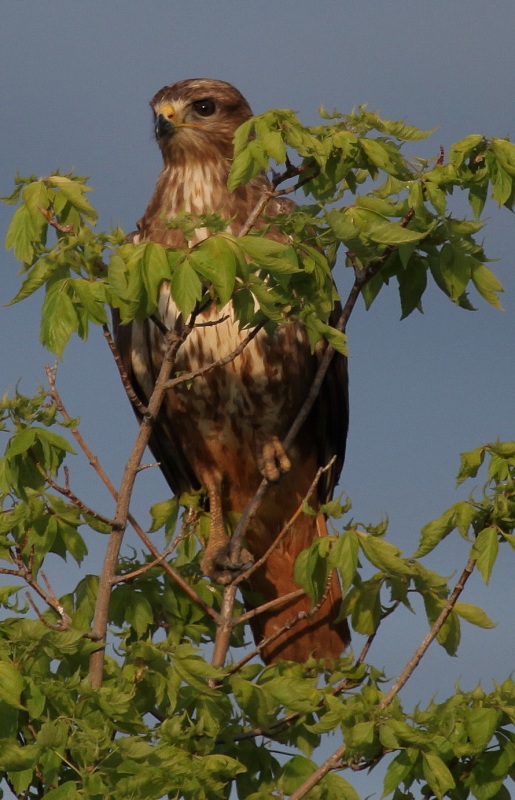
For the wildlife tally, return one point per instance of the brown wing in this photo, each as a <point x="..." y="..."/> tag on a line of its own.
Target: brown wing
<point x="163" y="444"/>
<point x="331" y="415"/>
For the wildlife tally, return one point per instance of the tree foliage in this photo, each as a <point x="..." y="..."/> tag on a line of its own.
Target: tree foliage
<point x="108" y="691"/>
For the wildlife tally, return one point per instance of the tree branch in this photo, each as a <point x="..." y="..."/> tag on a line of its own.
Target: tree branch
<point x="416" y="658"/>
<point x="247" y="573"/>
<point x="67" y="492"/>
<point x="100" y="619"/>
<point x="49" y="596"/>
<point x="94" y="462"/>
<point x="131" y="394"/>
<point x="188" y="376"/>
<point x="66" y="229"/>
<point x="334" y="761"/>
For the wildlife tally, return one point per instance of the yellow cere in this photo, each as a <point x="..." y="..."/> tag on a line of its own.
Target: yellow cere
<point x="167" y="110"/>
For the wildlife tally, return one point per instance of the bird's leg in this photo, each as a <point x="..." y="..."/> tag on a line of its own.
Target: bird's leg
<point x="271" y="457"/>
<point x="216" y="563"/>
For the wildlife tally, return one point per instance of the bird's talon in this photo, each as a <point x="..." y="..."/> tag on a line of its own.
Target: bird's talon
<point x="272" y="459"/>
<point x="222" y="570"/>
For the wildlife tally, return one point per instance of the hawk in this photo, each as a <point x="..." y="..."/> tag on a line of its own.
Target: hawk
<point x="223" y="432"/>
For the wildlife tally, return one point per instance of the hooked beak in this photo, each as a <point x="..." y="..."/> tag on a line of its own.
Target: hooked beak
<point x="164" y="127"/>
<point x="165" y="121"/>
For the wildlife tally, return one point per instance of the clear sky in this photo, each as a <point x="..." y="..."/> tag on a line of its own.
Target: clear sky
<point x="76" y="81"/>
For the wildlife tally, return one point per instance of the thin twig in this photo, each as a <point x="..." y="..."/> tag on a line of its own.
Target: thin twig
<point x="224" y="630"/>
<point x="334" y="761"/>
<point x="300" y="510"/>
<point x="257" y="211"/>
<point x="416" y="658"/>
<point x="49" y="596"/>
<point x="66" y="229"/>
<point x="129" y="576"/>
<point x="220" y="362"/>
<point x="67" y="492"/>
<point x="277" y="601"/>
<point x="288" y="625"/>
<point x="224" y="626"/>
<point x="133" y="397"/>
<point x="101" y="615"/>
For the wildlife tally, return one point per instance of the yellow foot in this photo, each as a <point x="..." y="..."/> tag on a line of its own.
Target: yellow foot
<point x="272" y="460"/>
<point x="217" y="565"/>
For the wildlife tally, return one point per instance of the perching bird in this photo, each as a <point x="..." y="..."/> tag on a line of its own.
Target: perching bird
<point x="223" y="432"/>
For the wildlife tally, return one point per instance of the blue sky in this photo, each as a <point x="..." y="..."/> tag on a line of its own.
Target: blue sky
<point x="76" y="81"/>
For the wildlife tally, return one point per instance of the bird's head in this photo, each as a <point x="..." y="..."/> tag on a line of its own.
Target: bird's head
<point x="194" y="116"/>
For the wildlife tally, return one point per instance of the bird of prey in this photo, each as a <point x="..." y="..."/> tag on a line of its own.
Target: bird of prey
<point x="223" y="431"/>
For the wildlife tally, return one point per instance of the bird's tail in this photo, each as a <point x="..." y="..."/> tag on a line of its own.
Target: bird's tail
<point x="293" y="630"/>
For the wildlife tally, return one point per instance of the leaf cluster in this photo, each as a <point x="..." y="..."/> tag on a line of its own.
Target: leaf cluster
<point x="485" y="523"/>
<point x="167" y="723"/>
<point x="392" y="213"/>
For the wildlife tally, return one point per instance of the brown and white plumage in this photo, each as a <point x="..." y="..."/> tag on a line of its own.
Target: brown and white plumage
<point x="224" y="431"/>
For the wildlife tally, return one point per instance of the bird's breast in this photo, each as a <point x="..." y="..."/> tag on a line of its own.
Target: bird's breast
<point x="264" y="384"/>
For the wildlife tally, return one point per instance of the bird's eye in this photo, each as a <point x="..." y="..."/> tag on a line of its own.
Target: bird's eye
<point x="205" y="108"/>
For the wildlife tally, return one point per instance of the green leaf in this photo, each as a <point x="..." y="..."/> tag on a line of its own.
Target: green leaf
<point x="487" y="284"/>
<point x="241" y="137"/>
<point x="139" y="613"/>
<point x="92" y="296"/>
<point x="311" y="571"/>
<point x="402" y="131"/>
<point x="393" y="233"/>
<point x="74" y="192"/>
<point x="480" y="724"/>
<point x="275" y="256"/>
<point x="485" y="550"/>
<point x="462" y="150"/>
<point x="474" y="615"/>
<point x="16" y="757"/>
<point x="456" y="269"/>
<point x="58" y="318"/>
<point x="215" y="259"/>
<point x="38" y="275"/>
<point x="412" y="285"/>
<point x="337" y="788"/>
<point x="294" y="694"/>
<point x="380" y="155"/>
<point x="66" y="791"/>
<point x="383" y="555"/>
<point x="437" y="774"/>
<point x="21" y="235"/>
<point x="296" y="771"/>
<point x="244" y="167"/>
<point x="164" y="513"/>
<point x="433" y="532"/>
<point x="363" y="603"/>
<point x="399" y="770"/>
<point x="11" y="684"/>
<point x="22" y="441"/>
<point x="471" y="462"/>
<point x="273" y="143"/>
<point x="155" y="269"/>
<point x="186" y="287"/>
